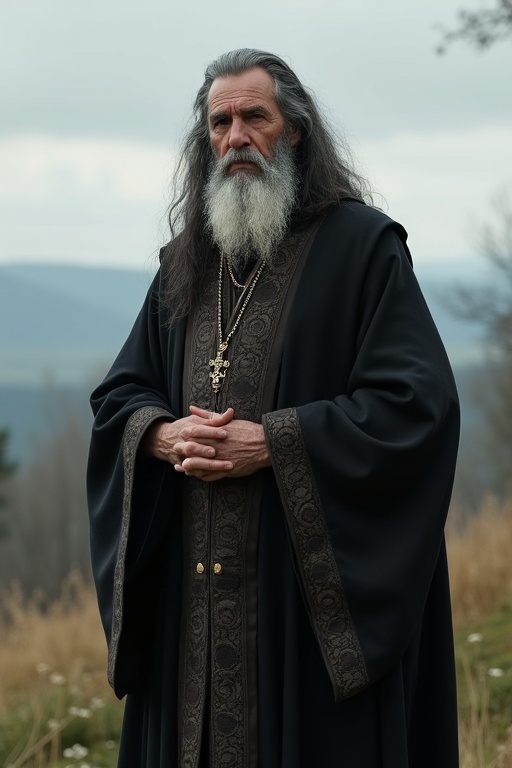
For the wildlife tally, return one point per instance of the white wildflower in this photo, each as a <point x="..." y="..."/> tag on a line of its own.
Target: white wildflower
<point x="77" y="751"/>
<point x="96" y="703"/>
<point x="110" y="744"/>
<point x="475" y="637"/>
<point x="495" y="672"/>
<point x="42" y="668"/>
<point x="80" y="712"/>
<point x="53" y="724"/>
<point x="57" y="679"/>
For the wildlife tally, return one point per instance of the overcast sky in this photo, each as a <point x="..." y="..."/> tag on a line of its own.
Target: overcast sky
<point x="96" y="96"/>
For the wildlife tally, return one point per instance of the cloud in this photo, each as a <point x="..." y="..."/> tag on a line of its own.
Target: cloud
<point x="103" y="201"/>
<point x="82" y="200"/>
<point x="439" y="184"/>
<point x="131" y="69"/>
<point x="38" y="168"/>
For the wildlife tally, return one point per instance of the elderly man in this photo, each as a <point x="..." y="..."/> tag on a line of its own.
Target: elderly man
<point x="272" y="461"/>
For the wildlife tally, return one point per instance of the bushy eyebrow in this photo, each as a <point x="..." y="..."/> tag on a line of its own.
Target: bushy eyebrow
<point x="244" y="111"/>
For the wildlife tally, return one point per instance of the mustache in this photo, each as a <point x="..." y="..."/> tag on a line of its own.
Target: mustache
<point x="248" y="214"/>
<point x="242" y="156"/>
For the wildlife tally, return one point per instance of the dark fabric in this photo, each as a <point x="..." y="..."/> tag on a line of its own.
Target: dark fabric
<point x="365" y="383"/>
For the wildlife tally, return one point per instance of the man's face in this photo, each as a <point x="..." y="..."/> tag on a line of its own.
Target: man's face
<point x="243" y="114"/>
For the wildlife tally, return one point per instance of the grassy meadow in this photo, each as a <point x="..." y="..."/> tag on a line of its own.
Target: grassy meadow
<point x="57" y="710"/>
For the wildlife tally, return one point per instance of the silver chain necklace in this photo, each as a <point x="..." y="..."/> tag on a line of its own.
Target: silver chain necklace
<point x="218" y="365"/>
<point x="233" y="278"/>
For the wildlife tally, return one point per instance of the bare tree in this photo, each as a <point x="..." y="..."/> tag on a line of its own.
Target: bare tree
<point x="481" y="28"/>
<point x="7" y="469"/>
<point x="49" y="531"/>
<point x="490" y="305"/>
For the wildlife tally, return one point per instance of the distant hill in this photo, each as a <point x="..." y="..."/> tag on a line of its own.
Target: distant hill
<point x="60" y="306"/>
<point x="61" y="327"/>
<point x="64" y="321"/>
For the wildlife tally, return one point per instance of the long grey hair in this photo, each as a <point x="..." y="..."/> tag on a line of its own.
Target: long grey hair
<point x="325" y="178"/>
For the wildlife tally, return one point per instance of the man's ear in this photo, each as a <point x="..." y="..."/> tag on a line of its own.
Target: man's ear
<point x="295" y="136"/>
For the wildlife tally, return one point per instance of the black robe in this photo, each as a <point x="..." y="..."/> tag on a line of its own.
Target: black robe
<point x="322" y="639"/>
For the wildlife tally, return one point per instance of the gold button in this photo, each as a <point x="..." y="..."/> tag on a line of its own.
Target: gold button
<point x="200" y="568"/>
<point x="217" y="568"/>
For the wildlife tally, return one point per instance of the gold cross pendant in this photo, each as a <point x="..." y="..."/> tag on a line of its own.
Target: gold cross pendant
<point x="218" y="374"/>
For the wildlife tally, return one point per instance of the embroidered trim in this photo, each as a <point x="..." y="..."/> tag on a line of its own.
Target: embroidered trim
<point x="321" y="581"/>
<point x="195" y="624"/>
<point x="135" y="428"/>
<point x="229" y="692"/>
<point x="227" y="511"/>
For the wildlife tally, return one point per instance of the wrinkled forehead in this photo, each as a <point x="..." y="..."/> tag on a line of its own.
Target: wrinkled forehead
<point x="254" y="86"/>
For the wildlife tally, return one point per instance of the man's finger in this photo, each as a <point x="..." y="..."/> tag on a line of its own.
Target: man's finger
<point x="207" y="477"/>
<point x="199" y="463"/>
<point x="202" y="412"/>
<point x="200" y="431"/>
<point x="189" y="448"/>
<point x="215" y="419"/>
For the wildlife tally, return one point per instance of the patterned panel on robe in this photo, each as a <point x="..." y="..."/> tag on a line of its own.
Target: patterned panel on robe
<point x="219" y="634"/>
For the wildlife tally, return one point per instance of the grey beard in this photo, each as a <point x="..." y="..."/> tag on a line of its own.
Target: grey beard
<point x="248" y="214"/>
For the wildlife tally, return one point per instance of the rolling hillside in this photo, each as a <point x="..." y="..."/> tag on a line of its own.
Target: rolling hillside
<point x="61" y="326"/>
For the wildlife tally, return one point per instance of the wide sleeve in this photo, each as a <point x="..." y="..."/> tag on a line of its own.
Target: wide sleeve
<point x="127" y="520"/>
<point x="365" y="476"/>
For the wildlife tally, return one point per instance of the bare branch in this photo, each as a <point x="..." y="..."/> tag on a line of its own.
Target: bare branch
<point x="491" y="306"/>
<point x="480" y="28"/>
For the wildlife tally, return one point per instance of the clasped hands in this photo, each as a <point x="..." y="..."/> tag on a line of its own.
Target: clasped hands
<point x="209" y="446"/>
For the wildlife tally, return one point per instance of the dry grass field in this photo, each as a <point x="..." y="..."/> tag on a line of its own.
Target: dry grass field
<point x="56" y="708"/>
<point x="480" y="558"/>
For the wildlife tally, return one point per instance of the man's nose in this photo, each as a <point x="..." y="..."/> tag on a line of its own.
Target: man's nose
<point x="238" y="135"/>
